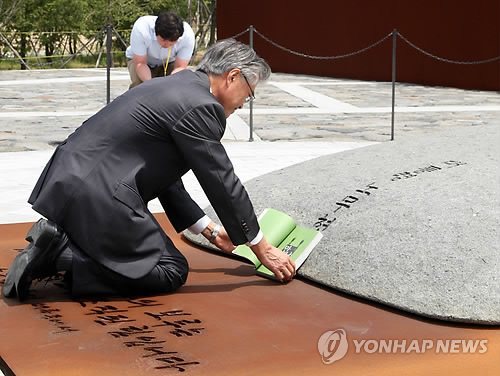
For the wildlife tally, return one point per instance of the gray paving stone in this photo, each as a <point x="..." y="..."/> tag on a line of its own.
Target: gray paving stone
<point x="63" y="91"/>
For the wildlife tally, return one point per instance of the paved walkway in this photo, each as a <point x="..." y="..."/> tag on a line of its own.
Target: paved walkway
<point x="304" y="117"/>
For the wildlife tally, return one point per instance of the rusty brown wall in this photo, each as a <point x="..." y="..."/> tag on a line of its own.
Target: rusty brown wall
<point x="460" y="30"/>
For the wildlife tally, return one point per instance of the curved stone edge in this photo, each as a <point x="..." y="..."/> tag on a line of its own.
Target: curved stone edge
<point x="200" y="241"/>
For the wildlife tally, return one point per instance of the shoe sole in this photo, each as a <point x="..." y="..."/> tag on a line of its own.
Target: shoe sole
<point x="42" y="236"/>
<point x="9" y="286"/>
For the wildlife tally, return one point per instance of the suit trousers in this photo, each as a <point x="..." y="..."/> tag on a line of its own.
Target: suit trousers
<point x="157" y="71"/>
<point x="89" y="278"/>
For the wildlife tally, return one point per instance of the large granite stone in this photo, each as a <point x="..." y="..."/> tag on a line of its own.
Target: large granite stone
<point x="413" y="224"/>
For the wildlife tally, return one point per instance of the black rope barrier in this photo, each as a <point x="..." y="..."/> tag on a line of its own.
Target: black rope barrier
<point x="446" y="60"/>
<point x="283" y="48"/>
<point x="108" y="30"/>
<point x="270" y="41"/>
<point x="323" y="57"/>
<point x="394" y="34"/>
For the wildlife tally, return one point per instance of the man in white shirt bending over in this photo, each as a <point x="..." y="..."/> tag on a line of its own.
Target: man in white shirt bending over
<point x="159" y="46"/>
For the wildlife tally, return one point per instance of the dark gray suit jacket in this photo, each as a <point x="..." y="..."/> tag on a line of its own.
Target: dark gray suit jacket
<point x="98" y="182"/>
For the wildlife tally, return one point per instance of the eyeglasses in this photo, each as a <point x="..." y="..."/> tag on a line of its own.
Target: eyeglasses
<point x="251" y="97"/>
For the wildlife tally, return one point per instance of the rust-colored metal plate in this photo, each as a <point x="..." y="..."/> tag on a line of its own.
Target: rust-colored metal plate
<point x="225" y="321"/>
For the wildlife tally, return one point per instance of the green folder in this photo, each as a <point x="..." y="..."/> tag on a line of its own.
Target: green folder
<point x="282" y="231"/>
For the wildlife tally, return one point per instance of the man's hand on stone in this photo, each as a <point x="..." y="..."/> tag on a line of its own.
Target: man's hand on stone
<point x="275" y="260"/>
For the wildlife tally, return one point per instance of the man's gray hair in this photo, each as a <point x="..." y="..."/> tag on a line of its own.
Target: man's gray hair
<point x="228" y="54"/>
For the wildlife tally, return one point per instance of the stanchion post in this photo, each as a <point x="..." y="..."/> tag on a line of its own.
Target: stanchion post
<point x="251" y="100"/>
<point x="108" y="62"/>
<point x="394" y="38"/>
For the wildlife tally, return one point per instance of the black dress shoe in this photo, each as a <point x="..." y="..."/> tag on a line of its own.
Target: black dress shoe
<point x="37" y="260"/>
<point x="19" y="263"/>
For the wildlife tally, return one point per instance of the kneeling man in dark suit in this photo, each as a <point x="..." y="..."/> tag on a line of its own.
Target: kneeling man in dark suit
<point x="95" y="189"/>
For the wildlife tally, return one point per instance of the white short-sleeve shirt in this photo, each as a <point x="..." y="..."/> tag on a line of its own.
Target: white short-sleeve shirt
<point x="143" y="42"/>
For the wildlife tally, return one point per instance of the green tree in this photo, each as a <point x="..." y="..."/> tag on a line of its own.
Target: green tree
<point x="8" y="9"/>
<point x="124" y="13"/>
<point x="58" y="17"/>
<point x="49" y="18"/>
<point x="59" y="25"/>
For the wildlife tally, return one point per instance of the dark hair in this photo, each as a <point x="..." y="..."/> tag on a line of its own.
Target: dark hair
<point x="169" y="26"/>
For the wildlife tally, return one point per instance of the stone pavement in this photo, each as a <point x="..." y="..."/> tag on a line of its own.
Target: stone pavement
<point x="304" y="116"/>
<point x="40" y="108"/>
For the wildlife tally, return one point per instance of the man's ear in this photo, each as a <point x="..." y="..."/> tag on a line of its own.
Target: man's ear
<point x="233" y="74"/>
